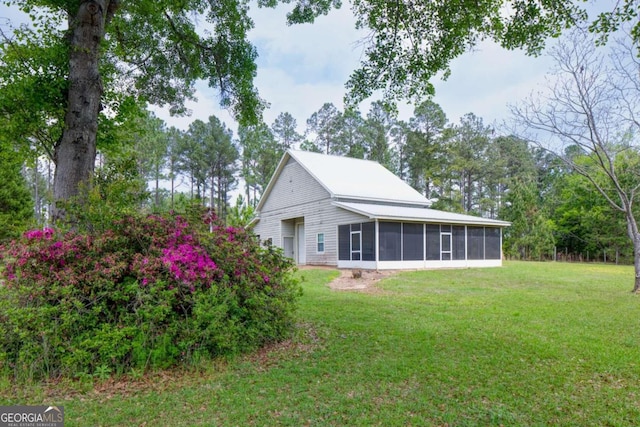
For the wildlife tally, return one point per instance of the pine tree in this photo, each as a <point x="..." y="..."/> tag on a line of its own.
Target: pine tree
<point x="16" y="205"/>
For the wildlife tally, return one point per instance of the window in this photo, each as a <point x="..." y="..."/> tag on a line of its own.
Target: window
<point x="390" y="241"/>
<point x="320" y="243"/>
<point x="412" y="242"/>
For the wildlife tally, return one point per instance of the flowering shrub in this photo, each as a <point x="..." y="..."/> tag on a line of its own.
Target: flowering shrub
<point x="146" y="292"/>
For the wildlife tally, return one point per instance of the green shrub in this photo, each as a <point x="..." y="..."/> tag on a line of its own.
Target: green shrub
<point x="148" y="292"/>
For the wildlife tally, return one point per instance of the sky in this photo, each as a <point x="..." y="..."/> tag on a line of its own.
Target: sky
<point x="301" y="67"/>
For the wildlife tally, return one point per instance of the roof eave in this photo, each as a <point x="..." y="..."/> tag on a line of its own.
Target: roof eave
<point x="423" y="204"/>
<point x="441" y="221"/>
<point x="480" y="221"/>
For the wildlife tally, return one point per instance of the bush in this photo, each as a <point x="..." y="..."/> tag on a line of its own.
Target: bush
<point x="148" y="292"/>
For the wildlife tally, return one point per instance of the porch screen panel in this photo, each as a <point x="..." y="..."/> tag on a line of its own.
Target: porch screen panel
<point x="492" y="243"/>
<point x="412" y="242"/>
<point x="475" y="242"/>
<point x="390" y="241"/>
<point x="344" y="242"/>
<point x="458" y="242"/>
<point x="369" y="241"/>
<point x="433" y="242"/>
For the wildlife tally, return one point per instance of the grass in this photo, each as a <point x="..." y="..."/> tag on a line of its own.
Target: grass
<point x="527" y="344"/>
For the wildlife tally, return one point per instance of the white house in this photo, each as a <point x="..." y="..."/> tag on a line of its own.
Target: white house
<point x="352" y="213"/>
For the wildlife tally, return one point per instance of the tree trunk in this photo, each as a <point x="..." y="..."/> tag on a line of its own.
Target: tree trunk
<point x="634" y="234"/>
<point x="157" y="199"/>
<point x="75" y="153"/>
<point x="636" y="262"/>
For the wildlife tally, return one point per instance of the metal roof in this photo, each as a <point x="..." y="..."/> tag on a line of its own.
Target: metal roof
<point x="399" y="213"/>
<point x="348" y="178"/>
<point x="368" y="188"/>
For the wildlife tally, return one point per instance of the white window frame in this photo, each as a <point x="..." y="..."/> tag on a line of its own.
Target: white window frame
<point x="318" y="243"/>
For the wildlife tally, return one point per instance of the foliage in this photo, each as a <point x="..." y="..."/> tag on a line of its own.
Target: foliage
<point x="216" y="159"/>
<point x="117" y="190"/>
<point x="70" y="79"/>
<point x="422" y="158"/>
<point x="591" y="109"/>
<point x="16" y="205"/>
<point x="408" y="44"/>
<point x="377" y="132"/>
<point x="61" y="84"/>
<point x="585" y="223"/>
<point x="147" y="292"/>
<point x="530" y="234"/>
<point x="261" y="153"/>
<point x="324" y="126"/>
<point x="528" y="344"/>
<point x="284" y="131"/>
<point x="240" y="214"/>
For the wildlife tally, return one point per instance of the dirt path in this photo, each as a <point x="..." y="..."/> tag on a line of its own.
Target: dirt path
<point x="366" y="283"/>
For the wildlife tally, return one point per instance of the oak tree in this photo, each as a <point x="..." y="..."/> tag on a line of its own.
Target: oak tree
<point x="93" y="54"/>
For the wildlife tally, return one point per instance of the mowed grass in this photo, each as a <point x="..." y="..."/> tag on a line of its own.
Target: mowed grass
<point x="527" y="344"/>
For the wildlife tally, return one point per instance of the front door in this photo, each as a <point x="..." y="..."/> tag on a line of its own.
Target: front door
<point x="288" y="247"/>
<point x="302" y="252"/>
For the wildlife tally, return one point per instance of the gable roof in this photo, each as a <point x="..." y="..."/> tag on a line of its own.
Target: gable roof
<point x="367" y="188"/>
<point x="348" y="178"/>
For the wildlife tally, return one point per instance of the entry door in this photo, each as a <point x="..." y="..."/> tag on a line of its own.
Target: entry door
<point x="445" y="244"/>
<point x="302" y="252"/>
<point x="288" y="247"/>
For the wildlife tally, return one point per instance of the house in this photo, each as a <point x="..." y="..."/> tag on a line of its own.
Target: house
<point x="352" y="213"/>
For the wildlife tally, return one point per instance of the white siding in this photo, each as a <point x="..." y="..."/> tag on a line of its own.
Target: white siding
<point x="325" y="219"/>
<point x="296" y="195"/>
<point x="294" y="187"/>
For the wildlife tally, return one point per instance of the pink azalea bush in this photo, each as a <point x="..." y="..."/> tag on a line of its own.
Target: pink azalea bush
<point x="145" y="292"/>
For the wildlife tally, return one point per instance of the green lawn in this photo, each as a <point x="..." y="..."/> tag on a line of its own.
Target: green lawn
<point x="523" y="345"/>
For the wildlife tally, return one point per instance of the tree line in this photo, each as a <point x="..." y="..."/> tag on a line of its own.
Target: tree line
<point x="77" y="82"/>
<point x="465" y="167"/>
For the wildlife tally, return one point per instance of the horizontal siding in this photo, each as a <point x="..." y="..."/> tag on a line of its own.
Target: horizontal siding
<point x="294" y="187"/>
<point x="326" y="220"/>
<point x="319" y="217"/>
<point x="269" y="229"/>
<point x="296" y="195"/>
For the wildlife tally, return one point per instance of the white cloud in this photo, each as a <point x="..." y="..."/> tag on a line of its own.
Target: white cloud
<point x="485" y="81"/>
<point x="300" y="67"/>
<point x="303" y="66"/>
